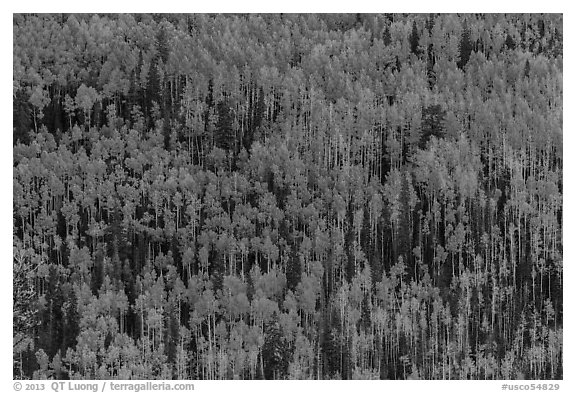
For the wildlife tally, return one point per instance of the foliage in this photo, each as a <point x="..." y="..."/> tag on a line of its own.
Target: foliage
<point x="287" y="196"/>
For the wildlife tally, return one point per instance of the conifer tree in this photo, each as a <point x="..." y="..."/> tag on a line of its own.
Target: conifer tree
<point x="510" y="43"/>
<point x="414" y="39"/>
<point x="275" y="351"/>
<point x="224" y="134"/>
<point x="466" y="46"/>
<point x="153" y="90"/>
<point x="527" y="69"/>
<point x="432" y="123"/>
<point x="387" y="39"/>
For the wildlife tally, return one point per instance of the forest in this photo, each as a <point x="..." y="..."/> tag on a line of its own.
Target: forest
<point x="287" y="196"/>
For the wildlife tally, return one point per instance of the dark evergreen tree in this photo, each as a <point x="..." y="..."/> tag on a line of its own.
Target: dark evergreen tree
<point x="153" y="90"/>
<point x="51" y="327"/>
<point x="541" y="27"/>
<point x="527" y="69"/>
<point x="162" y="45"/>
<point x="414" y="39"/>
<point x="397" y="66"/>
<point x="432" y="124"/>
<point x="466" y="46"/>
<point x="224" y="137"/>
<point x="135" y="94"/>
<point x="209" y="104"/>
<point x="24" y="311"/>
<point x="431" y="75"/>
<point x="98" y="271"/>
<point x="405" y="232"/>
<point x="259" y="109"/>
<point x="510" y="43"/>
<point x="331" y="351"/>
<point x="172" y="333"/>
<point x="22" y="117"/>
<point x="71" y="318"/>
<point x="293" y="272"/>
<point x="387" y="39"/>
<point x="275" y="351"/>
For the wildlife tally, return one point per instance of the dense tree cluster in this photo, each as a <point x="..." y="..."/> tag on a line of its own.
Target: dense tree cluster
<point x="287" y="196"/>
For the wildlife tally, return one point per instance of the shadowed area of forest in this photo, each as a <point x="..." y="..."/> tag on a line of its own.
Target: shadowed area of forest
<point x="287" y="196"/>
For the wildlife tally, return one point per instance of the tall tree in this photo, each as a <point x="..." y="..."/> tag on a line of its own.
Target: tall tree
<point x="465" y="46"/>
<point x="433" y="118"/>
<point x="414" y="39"/>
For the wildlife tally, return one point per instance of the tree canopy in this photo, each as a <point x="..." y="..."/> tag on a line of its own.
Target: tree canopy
<point x="287" y="196"/>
